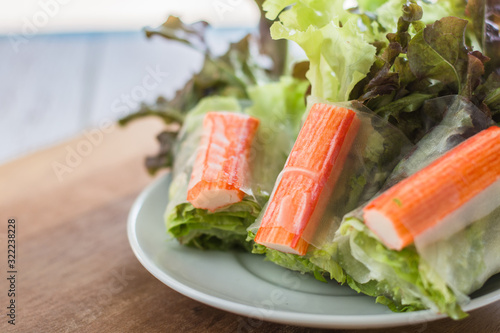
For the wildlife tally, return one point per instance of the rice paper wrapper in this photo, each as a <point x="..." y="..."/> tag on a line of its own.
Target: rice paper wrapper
<point x="450" y="121"/>
<point x="468" y="258"/>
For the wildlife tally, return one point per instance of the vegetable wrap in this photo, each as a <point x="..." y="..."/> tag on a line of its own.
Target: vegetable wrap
<point x="439" y="269"/>
<point x="279" y="115"/>
<point x="360" y="158"/>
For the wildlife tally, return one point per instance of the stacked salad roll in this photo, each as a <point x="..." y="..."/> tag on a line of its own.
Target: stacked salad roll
<point x="375" y="163"/>
<point x="442" y="199"/>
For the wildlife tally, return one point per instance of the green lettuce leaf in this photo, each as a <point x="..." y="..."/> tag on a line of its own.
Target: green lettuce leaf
<point x="399" y="279"/>
<point x="339" y="53"/>
<point x="391" y="55"/>
<point x="421" y="62"/>
<point x="438" y="276"/>
<point x="295" y="262"/>
<point x="221" y="230"/>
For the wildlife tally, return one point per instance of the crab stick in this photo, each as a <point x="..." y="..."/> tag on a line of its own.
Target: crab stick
<point x="221" y="169"/>
<point x="455" y="190"/>
<point x="308" y="179"/>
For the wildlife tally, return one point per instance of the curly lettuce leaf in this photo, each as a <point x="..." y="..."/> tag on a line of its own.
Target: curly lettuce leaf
<point x="294" y="262"/>
<point x="220" y="230"/>
<point x="422" y="62"/>
<point x="383" y="54"/>
<point x="437" y="276"/>
<point x="339" y="53"/>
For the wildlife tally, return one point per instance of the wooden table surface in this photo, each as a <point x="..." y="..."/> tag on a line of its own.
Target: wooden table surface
<point x="75" y="269"/>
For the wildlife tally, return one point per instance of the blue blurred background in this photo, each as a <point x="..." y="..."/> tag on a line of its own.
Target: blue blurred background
<point x="69" y="65"/>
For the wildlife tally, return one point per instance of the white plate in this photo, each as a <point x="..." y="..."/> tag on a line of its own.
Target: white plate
<point x="244" y="284"/>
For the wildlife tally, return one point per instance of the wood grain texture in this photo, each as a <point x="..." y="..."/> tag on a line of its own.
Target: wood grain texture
<point x="77" y="272"/>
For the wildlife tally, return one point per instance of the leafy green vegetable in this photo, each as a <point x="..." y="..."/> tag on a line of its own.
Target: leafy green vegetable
<point x="165" y="156"/>
<point x="192" y="35"/>
<point x="390" y="55"/>
<point x="454" y="119"/>
<point x="291" y="261"/>
<point x="437" y="276"/>
<point x="438" y="52"/>
<point x="429" y="68"/>
<point x="421" y="62"/>
<point x="222" y="230"/>
<point x="485" y="18"/>
<point x="337" y="50"/>
<point x="399" y="279"/>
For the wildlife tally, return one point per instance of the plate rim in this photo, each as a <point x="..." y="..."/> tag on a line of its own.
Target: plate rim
<point x="280" y="316"/>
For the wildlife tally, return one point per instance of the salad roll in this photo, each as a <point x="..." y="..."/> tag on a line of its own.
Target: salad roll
<point x="221" y="171"/>
<point x="308" y="179"/>
<point x="227" y="156"/>
<point x="445" y="246"/>
<point x="341" y="159"/>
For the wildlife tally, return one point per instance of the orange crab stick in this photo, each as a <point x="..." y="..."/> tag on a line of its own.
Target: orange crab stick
<point x="221" y="168"/>
<point x="308" y="178"/>
<point x="460" y="187"/>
